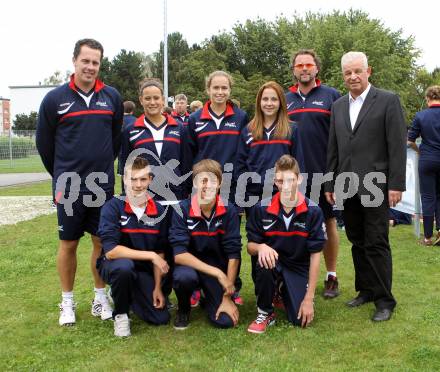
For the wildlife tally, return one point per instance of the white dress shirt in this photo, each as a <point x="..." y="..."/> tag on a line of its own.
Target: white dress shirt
<point x="355" y="105"/>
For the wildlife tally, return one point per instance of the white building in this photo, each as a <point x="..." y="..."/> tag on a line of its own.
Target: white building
<point x="27" y="98"/>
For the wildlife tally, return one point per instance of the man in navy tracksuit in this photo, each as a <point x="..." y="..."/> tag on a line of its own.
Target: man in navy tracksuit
<point x="308" y="104"/>
<point x="78" y="138"/>
<point x="287" y="237"/>
<point x="181" y="114"/>
<point x="207" y="245"/>
<point x="134" y="235"/>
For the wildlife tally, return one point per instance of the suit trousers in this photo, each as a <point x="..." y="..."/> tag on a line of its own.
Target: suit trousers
<point x="367" y="229"/>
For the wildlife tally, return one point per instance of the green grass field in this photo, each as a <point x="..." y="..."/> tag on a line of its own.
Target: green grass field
<point x="340" y="339"/>
<point x="31" y="164"/>
<point x="40" y="189"/>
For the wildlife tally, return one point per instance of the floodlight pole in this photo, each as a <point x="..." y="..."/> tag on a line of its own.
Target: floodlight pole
<point x="165" y="53"/>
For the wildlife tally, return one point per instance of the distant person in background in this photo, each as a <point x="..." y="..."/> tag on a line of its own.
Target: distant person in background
<point x="426" y="124"/>
<point x="180" y="113"/>
<point x="128" y="119"/>
<point x="78" y="132"/>
<point x="195" y="105"/>
<point x="167" y="110"/>
<point x="129" y="108"/>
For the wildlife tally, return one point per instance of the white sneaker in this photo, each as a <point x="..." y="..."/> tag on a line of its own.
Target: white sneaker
<point x="122" y="325"/>
<point x="102" y="309"/>
<point x="67" y="313"/>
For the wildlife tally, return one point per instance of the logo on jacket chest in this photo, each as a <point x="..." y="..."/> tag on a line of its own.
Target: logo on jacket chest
<point x="124" y="220"/>
<point x="174" y="133"/>
<point x="101" y="104"/>
<point x="301" y="225"/>
<point x="200" y="125"/>
<point x="318" y="103"/>
<point x="230" y="125"/>
<point x="63" y="108"/>
<point x="267" y="224"/>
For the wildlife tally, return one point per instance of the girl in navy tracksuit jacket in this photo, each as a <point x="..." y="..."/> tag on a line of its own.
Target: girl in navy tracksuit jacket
<point x="427" y="125"/>
<point x="166" y="142"/>
<point x="267" y="137"/>
<point x="262" y="142"/>
<point x="214" y="131"/>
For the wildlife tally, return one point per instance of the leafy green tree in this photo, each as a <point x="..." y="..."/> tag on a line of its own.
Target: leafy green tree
<point x="124" y="73"/>
<point x="259" y="50"/>
<point x="194" y="69"/>
<point x="423" y="79"/>
<point x="26" y="122"/>
<point x="178" y="51"/>
<point x="57" y="78"/>
<point x="392" y="57"/>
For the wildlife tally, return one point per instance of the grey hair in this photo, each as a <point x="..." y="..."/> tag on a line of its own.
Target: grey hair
<point x="181" y="96"/>
<point x="352" y="56"/>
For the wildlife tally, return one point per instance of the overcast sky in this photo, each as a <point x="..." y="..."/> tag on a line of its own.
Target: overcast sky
<point x="37" y="37"/>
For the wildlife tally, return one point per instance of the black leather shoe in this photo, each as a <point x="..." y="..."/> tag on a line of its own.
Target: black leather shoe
<point x="381" y="315"/>
<point x="358" y="301"/>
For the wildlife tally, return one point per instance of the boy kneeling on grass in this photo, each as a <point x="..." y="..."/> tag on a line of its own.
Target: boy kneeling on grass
<point x="207" y="244"/>
<point x="287" y="236"/>
<point x="133" y="235"/>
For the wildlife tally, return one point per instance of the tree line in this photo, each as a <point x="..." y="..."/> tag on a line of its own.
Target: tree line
<point x="259" y="50"/>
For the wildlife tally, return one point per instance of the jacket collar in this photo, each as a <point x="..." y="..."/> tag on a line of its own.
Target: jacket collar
<point x="275" y="205"/>
<point x="140" y="120"/>
<point x="175" y="114"/>
<point x="195" y="210"/>
<point x="150" y="208"/>
<point x="207" y="115"/>
<point x="98" y="84"/>
<point x="294" y="88"/>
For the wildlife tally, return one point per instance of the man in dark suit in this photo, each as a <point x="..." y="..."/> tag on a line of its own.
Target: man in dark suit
<point x="367" y="148"/>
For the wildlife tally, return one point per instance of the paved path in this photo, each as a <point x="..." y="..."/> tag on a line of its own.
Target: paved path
<point x="10" y="179"/>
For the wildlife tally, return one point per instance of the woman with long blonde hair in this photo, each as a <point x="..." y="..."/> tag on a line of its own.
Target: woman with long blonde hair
<point x="266" y="138"/>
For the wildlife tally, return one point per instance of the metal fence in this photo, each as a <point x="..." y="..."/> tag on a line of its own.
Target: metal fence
<point x="18" y="151"/>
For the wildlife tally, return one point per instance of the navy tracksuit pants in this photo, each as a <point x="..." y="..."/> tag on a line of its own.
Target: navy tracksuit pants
<point x="429" y="178"/>
<point x="186" y="280"/>
<point x="132" y="287"/>
<point x="292" y="287"/>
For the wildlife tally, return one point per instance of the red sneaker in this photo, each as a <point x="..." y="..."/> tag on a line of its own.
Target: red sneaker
<point x="278" y="302"/>
<point x="238" y="300"/>
<point x="195" y="298"/>
<point x="260" y="324"/>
